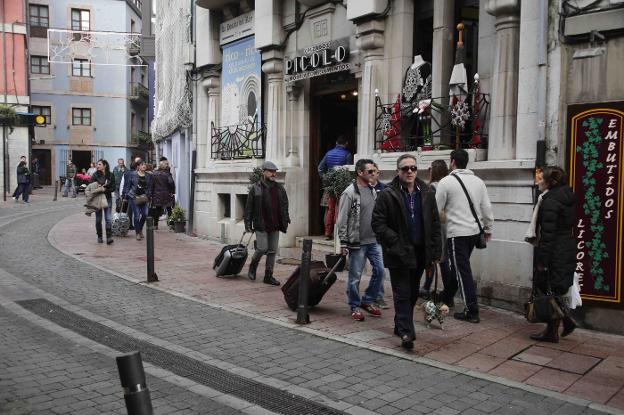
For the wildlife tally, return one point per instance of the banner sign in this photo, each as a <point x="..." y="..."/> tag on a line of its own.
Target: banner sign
<point x="236" y="28"/>
<point x="317" y="60"/>
<point x="596" y="172"/>
<point x="241" y="101"/>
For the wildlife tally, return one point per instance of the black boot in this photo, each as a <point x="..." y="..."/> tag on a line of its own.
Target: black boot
<point x="98" y="229"/>
<point x="268" y="278"/>
<point x="568" y="323"/>
<point x="253" y="267"/>
<point x="550" y="334"/>
<point x="109" y="236"/>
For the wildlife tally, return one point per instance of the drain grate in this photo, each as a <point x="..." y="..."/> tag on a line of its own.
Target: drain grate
<point x="268" y="397"/>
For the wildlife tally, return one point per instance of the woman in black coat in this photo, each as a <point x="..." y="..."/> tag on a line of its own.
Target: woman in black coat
<point x="555" y="251"/>
<point x="163" y="190"/>
<point x="105" y="178"/>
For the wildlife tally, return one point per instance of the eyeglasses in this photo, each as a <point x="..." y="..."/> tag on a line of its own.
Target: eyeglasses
<point x="405" y="169"/>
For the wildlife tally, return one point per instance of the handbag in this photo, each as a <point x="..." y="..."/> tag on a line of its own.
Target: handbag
<point x="141" y="200"/>
<point x="542" y="307"/>
<point x="481" y="242"/>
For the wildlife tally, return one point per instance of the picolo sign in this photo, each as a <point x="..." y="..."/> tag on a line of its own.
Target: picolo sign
<point x="321" y="59"/>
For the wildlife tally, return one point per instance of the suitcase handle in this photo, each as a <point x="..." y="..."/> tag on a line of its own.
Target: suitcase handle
<point x="243" y="236"/>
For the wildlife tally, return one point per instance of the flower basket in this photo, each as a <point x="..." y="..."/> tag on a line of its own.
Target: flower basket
<point x="178" y="219"/>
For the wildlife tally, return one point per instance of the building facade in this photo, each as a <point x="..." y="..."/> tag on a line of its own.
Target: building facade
<point x="329" y="68"/>
<point x="13" y="89"/>
<point x="89" y="85"/>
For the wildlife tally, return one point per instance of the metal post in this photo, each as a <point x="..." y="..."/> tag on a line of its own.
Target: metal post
<point x="304" y="280"/>
<point x="136" y="392"/>
<point x="55" y="190"/>
<point x="151" y="275"/>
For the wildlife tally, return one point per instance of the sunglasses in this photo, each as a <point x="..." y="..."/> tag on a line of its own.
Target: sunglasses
<point x="372" y="171"/>
<point x="405" y="169"/>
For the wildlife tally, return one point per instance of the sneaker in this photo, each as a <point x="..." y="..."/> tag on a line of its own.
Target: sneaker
<point x="357" y="315"/>
<point x="382" y="304"/>
<point x="372" y="310"/>
<point x="466" y="316"/>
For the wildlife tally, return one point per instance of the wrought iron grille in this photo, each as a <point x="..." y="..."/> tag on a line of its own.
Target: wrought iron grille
<point x="405" y="127"/>
<point x="236" y="142"/>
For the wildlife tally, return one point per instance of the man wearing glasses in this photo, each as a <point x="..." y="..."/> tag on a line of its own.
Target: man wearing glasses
<point x="407" y="225"/>
<point x="356" y="235"/>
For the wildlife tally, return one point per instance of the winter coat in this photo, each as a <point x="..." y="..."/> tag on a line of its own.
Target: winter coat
<point x="107" y="181"/>
<point x="259" y="196"/>
<point x="163" y="189"/>
<point x="392" y="230"/>
<point x="348" y="220"/>
<point x="23" y="175"/>
<point x="118" y="174"/>
<point x="96" y="197"/>
<point x="131" y="182"/>
<point x="556" y="247"/>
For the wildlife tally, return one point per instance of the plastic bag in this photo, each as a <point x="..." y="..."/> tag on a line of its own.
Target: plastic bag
<point x="574" y="294"/>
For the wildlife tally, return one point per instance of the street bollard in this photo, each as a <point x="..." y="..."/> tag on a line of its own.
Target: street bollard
<point x="55" y="190"/>
<point x="304" y="281"/>
<point x="151" y="275"/>
<point x="136" y="392"/>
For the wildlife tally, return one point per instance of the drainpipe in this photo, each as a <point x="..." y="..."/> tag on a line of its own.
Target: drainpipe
<point x="26" y="54"/>
<point x="5" y="150"/>
<point x="542" y="61"/>
<point x="193" y="132"/>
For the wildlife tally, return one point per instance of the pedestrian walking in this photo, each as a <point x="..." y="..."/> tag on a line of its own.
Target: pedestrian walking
<point x="163" y="189"/>
<point x="457" y="195"/>
<point x="551" y="231"/>
<point x="355" y="212"/>
<point x="106" y="179"/>
<point x="337" y="156"/>
<point x="133" y="166"/>
<point x="378" y="185"/>
<point x="136" y="190"/>
<point x="266" y="213"/>
<point x="23" y="181"/>
<point x="118" y="173"/>
<point x="14" y="195"/>
<point x="437" y="172"/>
<point x="407" y="224"/>
<point x="70" y="185"/>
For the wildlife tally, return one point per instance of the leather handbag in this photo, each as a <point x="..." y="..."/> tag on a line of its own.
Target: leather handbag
<point x="141" y="200"/>
<point x="481" y="242"/>
<point x="542" y="307"/>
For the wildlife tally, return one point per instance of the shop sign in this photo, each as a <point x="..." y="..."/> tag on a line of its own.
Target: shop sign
<point x="236" y="28"/>
<point x="317" y="60"/>
<point x="597" y="176"/>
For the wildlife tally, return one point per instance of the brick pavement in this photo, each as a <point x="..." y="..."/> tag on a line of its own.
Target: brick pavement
<point x="383" y="383"/>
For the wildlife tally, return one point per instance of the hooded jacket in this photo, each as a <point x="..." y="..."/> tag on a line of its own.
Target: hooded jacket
<point x="392" y="230"/>
<point x="556" y="247"/>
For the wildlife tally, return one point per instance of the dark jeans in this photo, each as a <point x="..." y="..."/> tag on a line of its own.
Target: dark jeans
<point x="140" y="213"/>
<point x="22" y="189"/>
<point x="108" y="219"/>
<point x="459" y="251"/>
<point x="405" y="287"/>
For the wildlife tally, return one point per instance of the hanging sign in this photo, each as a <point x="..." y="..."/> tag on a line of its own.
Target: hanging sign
<point x="236" y="28"/>
<point x="595" y="155"/>
<point x="317" y="60"/>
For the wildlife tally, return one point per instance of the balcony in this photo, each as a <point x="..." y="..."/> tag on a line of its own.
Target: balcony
<point x="238" y="142"/>
<point x="141" y="139"/>
<point x="138" y="93"/>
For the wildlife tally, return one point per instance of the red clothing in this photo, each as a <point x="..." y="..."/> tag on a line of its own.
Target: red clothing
<point x="270" y="212"/>
<point x="330" y="216"/>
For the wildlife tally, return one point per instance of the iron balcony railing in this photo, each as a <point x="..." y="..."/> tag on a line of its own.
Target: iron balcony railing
<point x="236" y="142"/>
<point x="138" y="92"/>
<point x="141" y="138"/>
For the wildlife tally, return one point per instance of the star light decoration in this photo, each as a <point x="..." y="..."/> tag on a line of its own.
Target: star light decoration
<point x="460" y="113"/>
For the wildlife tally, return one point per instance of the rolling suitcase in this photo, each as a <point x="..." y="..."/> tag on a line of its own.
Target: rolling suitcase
<point x="232" y="258"/>
<point x="321" y="280"/>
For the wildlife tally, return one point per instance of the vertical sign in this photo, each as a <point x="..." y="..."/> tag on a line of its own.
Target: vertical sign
<point x="595" y="155"/>
<point x="240" y="83"/>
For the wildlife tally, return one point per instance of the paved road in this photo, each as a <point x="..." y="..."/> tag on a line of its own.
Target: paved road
<point x="57" y="353"/>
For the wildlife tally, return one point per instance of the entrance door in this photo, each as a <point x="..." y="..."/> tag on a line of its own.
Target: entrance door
<point x="82" y="159"/>
<point x="334" y="113"/>
<point x="45" y="165"/>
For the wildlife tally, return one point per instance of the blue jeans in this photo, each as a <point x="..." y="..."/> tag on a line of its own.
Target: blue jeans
<point x="139" y="212"/>
<point x="382" y="291"/>
<point x="70" y="186"/>
<point x="357" y="259"/>
<point x="108" y="217"/>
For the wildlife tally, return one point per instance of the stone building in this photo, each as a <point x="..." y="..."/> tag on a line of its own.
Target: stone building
<point x="317" y="69"/>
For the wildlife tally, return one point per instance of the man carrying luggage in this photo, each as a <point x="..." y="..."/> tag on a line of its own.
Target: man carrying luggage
<point x="407" y="225"/>
<point x="266" y="213"/>
<point x="355" y="212"/>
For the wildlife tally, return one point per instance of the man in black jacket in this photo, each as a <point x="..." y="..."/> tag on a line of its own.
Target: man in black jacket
<point x="407" y="225"/>
<point x="266" y="213"/>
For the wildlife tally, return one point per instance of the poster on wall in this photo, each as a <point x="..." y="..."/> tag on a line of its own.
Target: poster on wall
<point x="595" y="153"/>
<point x="240" y="83"/>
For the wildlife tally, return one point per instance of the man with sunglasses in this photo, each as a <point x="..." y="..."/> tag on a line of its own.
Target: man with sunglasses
<point x="407" y="225"/>
<point x="356" y="235"/>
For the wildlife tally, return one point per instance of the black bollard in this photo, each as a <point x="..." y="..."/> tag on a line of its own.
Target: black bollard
<point x="151" y="275"/>
<point x="304" y="281"/>
<point x="136" y="392"/>
<point x="55" y="190"/>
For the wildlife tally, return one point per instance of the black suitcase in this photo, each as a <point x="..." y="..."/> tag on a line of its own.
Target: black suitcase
<point x="321" y="280"/>
<point x="232" y="258"/>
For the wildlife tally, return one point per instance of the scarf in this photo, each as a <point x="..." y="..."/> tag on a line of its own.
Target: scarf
<point x="531" y="234"/>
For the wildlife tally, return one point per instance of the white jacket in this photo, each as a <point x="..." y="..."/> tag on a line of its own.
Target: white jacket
<point x="451" y="199"/>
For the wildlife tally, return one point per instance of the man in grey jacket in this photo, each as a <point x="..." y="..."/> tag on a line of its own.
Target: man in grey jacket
<point x="355" y="212"/>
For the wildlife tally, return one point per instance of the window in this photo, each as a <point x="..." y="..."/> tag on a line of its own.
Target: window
<point x="45" y="111"/>
<point x="81" y="67"/>
<point x="81" y="116"/>
<point x="132" y="26"/>
<point x="80" y="19"/>
<point x="39" y="15"/>
<point x="39" y="65"/>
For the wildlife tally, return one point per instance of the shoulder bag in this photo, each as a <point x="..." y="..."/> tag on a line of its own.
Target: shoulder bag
<point x="481" y="242"/>
<point x="542" y="307"/>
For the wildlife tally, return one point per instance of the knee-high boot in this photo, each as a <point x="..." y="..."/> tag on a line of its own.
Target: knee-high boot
<point x="109" y="236"/>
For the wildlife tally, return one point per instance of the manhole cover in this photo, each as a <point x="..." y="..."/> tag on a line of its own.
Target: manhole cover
<point x="289" y="261"/>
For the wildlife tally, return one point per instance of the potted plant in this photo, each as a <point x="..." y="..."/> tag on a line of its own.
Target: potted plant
<point x="335" y="181"/>
<point x="178" y="218"/>
<point x="8" y="117"/>
<point x="255" y="176"/>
